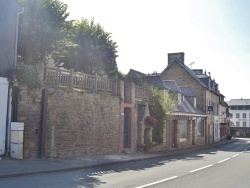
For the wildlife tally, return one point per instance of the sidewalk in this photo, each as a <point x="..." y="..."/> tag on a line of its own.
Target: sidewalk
<point x="13" y="168"/>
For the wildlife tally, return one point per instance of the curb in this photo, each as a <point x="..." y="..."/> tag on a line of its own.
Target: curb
<point x="65" y="169"/>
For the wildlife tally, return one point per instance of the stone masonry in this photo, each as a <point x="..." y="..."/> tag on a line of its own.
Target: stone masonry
<point x="77" y="123"/>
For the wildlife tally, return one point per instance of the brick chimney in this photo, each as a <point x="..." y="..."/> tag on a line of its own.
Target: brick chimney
<point x="173" y="56"/>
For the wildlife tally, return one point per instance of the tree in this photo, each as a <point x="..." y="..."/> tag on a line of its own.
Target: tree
<point x="161" y="108"/>
<point x="87" y="48"/>
<point x="39" y="29"/>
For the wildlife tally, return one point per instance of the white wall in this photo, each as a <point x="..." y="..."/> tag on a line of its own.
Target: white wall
<point x="3" y="112"/>
<point x="240" y="119"/>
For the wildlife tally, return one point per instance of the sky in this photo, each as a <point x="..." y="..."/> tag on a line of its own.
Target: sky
<point x="212" y="33"/>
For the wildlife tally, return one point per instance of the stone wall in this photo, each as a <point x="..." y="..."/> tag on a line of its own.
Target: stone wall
<point x="29" y="107"/>
<point x="76" y="124"/>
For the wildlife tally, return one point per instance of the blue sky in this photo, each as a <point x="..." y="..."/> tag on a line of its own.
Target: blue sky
<point x="212" y="33"/>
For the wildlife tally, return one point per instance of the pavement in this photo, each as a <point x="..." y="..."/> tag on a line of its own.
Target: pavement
<point x="14" y="168"/>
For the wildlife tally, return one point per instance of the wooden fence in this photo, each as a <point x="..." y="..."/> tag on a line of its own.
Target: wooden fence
<point x="56" y="77"/>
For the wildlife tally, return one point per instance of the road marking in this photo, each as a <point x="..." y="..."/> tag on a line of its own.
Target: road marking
<point x="223" y="160"/>
<point x="235" y="155"/>
<point x="150" y="184"/>
<point x="201" y="168"/>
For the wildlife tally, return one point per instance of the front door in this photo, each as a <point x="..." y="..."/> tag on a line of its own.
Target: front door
<point x="127" y="128"/>
<point x="3" y="112"/>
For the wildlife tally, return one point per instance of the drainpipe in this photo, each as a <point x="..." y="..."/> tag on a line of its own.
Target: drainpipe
<point x="9" y="107"/>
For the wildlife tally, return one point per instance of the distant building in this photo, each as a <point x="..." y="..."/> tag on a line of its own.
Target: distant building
<point x="239" y="110"/>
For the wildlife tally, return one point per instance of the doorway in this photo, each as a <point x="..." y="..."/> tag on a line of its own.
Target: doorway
<point x="127" y="128"/>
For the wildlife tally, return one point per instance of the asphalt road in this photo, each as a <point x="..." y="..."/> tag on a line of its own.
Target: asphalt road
<point x="224" y="166"/>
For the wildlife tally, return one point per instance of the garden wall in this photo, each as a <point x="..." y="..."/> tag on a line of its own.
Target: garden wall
<point x="76" y="123"/>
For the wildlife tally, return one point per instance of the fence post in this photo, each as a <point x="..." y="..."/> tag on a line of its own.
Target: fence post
<point x="42" y="73"/>
<point x="57" y="76"/>
<point x="95" y="83"/>
<point x="115" y="86"/>
<point x="143" y="91"/>
<point x="83" y="80"/>
<point x="71" y="78"/>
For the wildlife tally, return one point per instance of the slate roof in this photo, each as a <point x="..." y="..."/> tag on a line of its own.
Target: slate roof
<point x="156" y="81"/>
<point x="187" y="91"/>
<point x="173" y="86"/>
<point x="238" y="102"/>
<point x="185" y="108"/>
<point x="136" y="74"/>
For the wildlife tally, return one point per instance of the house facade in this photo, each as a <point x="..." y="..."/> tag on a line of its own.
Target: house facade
<point x="239" y="110"/>
<point x="206" y="90"/>
<point x="186" y="127"/>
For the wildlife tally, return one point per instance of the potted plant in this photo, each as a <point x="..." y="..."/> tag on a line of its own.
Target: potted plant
<point x="150" y="121"/>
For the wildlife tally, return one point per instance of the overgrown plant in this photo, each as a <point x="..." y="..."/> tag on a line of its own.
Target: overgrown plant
<point x="28" y="75"/>
<point x="161" y="107"/>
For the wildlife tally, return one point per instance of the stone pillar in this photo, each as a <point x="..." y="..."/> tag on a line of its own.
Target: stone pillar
<point x="190" y="131"/>
<point x="121" y="93"/>
<point x="194" y="131"/>
<point x="129" y="93"/>
<point x="164" y="132"/>
<point x="142" y="128"/>
<point x="177" y="135"/>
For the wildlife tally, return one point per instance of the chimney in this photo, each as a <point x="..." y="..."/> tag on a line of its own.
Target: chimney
<point x="176" y="56"/>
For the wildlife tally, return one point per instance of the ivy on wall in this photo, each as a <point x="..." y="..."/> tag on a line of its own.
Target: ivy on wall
<point x="161" y="108"/>
<point x="27" y="75"/>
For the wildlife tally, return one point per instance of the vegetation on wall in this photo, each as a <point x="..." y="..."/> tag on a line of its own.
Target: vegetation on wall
<point x="161" y="108"/>
<point x="27" y="75"/>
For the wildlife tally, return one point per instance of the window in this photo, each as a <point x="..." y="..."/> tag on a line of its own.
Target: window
<point x="244" y="115"/>
<point x="183" y="127"/>
<point x="237" y="123"/>
<point x="200" y="130"/>
<point x="237" y="115"/>
<point x="244" y="124"/>
<point x="231" y="115"/>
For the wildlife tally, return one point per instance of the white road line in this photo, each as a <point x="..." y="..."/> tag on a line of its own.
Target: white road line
<point x="235" y="155"/>
<point x="153" y="183"/>
<point x="223" y="160"/>
<point x="201" y="168"/>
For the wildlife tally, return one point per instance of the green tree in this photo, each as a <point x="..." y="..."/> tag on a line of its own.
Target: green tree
<point x="161" y="108"/>
<point x="39" y="29"/>
<point x="87" y="48"/>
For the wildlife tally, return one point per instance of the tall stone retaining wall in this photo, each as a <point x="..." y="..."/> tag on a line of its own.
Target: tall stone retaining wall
<point x="76" y="123"/>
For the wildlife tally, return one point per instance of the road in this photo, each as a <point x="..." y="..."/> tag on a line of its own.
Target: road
<point x="224" y="166"/>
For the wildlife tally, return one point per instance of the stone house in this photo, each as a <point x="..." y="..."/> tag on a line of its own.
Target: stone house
<point x="9" y="16"/>
<point x="206" y="90"/>
<point x="224" y="119"/>
<point x="186" y="126"/>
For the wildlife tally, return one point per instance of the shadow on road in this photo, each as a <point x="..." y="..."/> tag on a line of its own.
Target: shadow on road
<point x="91" y="178"/>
